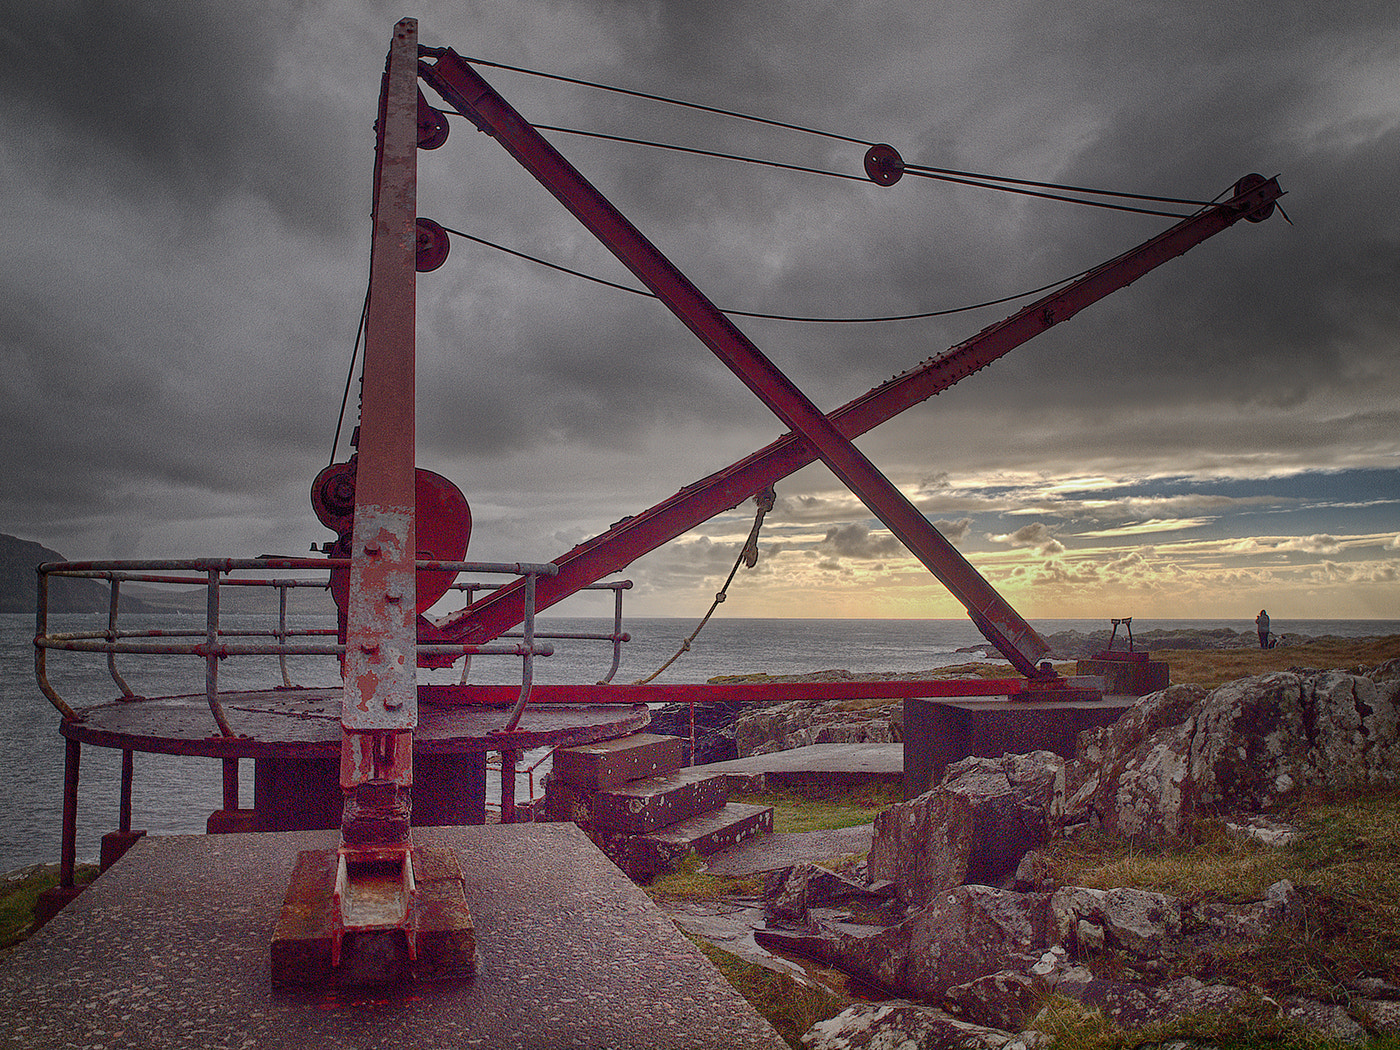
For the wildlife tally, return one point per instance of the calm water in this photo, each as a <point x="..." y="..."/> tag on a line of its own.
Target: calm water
<point x="173" y="795"/>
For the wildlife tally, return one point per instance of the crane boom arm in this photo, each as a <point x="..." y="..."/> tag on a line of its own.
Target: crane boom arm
<point x="635" y="536"/>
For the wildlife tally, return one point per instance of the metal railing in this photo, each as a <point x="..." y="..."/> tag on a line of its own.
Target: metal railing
<point x="616" y="637"/>
<point x="216" y="643"/>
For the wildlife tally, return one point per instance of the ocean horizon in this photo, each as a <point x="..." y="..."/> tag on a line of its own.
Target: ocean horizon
<point x="175" y="795"/>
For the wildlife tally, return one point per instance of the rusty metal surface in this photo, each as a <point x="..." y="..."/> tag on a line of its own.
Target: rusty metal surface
<point x="380" y="700"/>
<point x="274" y="723"/>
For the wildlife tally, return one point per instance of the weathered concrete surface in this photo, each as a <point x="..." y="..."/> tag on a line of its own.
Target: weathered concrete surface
<point x="828" y="764"/>
<point x="608" y="763"/>
<point x="784" y="849"/>
<point x="938" y="733"/>
<point x="170" y="948"/>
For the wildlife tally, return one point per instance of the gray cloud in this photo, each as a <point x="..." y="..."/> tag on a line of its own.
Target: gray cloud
<point x="188" y="192"/>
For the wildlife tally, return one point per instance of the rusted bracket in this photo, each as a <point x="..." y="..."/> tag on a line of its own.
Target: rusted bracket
<point x="456" y="82"/>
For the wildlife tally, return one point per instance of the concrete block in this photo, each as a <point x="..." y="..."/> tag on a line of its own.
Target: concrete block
<point x="643" y="856"/>
<point x="656" y="802"/>
<point x="1128" y="677"/>
<point x="938" y="733"/>
<point x="611" y="762"/>
<point x="114" y="844"/>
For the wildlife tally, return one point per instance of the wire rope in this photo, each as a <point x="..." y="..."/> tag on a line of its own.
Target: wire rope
<point x="947" y="174"/>
<point x="765" y="316"/>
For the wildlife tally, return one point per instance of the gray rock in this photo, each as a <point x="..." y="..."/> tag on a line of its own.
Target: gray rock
<point x="1137" y="922"/>
<point x="1005" y="999"/>
<point x="807" y="885"/>
<point x="974" y="827"/>
<point x="1131" y="1005"/>
<point x="900" y="1025"/>
<point x="1180" y="755"/>
<point x="1326" y="1019"/>
<point x="1382" y="1015"/>
<point x="970" y="931"/>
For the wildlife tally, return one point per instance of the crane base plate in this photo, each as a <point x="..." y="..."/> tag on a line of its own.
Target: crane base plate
<point x="445" y="939"/>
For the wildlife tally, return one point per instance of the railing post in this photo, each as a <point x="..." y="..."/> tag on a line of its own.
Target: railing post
<point x="509" y="760"/>
<point x="124" y="805"/>
<point x="68" y="851"/>
<point x="211" y="656"/>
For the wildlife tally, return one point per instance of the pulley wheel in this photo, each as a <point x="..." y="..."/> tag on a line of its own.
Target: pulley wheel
<point x="432" y="125"/>
<point x="432" y="246"/>
<point x="883" y="164"/>
<point x="1250" y="182"/>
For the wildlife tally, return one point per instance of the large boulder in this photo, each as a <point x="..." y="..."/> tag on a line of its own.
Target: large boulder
<point x="1182" y="754"/>
<point x="970" y="931"/>
<point x="975" y="826"/>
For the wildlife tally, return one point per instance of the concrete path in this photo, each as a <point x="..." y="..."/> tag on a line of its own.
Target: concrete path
<point x="169" y="950"/>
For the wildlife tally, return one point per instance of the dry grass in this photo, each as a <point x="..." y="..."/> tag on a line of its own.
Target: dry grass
<point x="1343" y="865"/>
<point x="789" y="1005"/>
<point x="1214" y="667"/>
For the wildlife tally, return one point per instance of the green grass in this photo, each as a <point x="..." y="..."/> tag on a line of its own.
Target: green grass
<point x="17" y="900"/>
<point x="795" y="810"/>
<point x="789" y="1005"/>
<point x="1343" y="865"/>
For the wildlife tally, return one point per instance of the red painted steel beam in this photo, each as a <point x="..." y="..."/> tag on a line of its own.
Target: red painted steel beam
<point x="754" y="692"/>
<point x="639" y="534"/>
<point x="995" y="618"/>
<point x="380" y="706"/>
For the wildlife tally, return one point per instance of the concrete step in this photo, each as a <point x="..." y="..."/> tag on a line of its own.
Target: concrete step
<point x="609" y="763"/>
<point x="644" y="806"/>
<point x="643" y="856"/>
<point x="637" y="807"/>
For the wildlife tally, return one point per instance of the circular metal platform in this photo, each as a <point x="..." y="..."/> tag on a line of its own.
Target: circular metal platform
<point x="274" y="723"/>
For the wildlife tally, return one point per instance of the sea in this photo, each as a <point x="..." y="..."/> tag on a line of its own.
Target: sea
<point x="174" y="795"/>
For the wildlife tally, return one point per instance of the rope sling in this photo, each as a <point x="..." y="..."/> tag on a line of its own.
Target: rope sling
<point x="748" y="557"/>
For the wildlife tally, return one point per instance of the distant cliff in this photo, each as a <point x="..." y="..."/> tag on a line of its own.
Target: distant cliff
<point x="19" y="583"/>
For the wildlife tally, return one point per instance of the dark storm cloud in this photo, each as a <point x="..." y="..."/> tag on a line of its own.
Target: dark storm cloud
<point x="190" y="187"/>
<point x="188" y="100"/>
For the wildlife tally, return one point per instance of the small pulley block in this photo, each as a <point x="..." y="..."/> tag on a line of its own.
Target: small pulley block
<point x="883" y="164"/>
<point x="433" y="246"/>
<point x="432" y="125"/>
<point x="1251" y="182"/>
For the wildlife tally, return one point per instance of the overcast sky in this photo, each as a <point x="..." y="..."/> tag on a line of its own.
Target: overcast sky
<point x="186" y="204"/>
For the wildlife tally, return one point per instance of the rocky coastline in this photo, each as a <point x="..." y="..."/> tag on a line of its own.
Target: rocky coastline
<point x="956" y="915"/>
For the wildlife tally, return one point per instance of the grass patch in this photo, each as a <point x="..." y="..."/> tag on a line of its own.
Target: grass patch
<point x="17" y="899"/>
<point x="1212" y="668"/>
<point x="789" y="1005"/>
<point x="1075" y="1026"/>
<point x="687" y="880"/>
<point x="1342" y="864"/>
<point x="821" y="810"/>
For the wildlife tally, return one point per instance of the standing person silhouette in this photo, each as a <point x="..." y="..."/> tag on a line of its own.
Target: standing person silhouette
<point x="1262" y="622"/>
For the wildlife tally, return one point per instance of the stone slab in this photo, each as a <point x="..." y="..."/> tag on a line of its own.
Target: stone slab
<point x="170" y="949"/>
<point x="938" y="733"/>
<point x="642" y="856"/>
<point x="645" y="805"/>
<point x="608" y="763"/>
<point x="826" y="764"/>
<point x="782" y="849"/>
